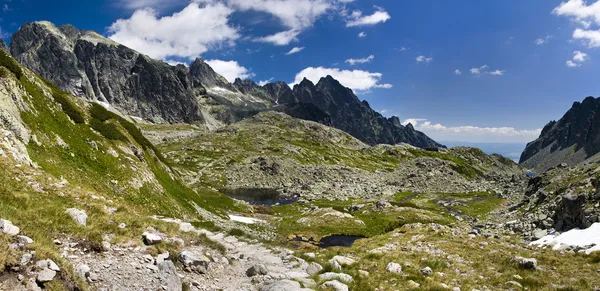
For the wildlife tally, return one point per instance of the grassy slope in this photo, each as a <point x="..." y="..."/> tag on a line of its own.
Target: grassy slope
<point x="98" y="179"/>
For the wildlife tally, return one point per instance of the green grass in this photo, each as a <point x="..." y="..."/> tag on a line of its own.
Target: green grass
<point x="8" y="62"/>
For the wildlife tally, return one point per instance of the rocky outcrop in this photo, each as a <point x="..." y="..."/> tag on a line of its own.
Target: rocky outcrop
<point x="353" y="116"/>
<point x="571" y="140"/>
<point x="88" y="65"/>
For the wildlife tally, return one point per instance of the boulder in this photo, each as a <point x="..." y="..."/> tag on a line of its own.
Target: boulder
<point x="335" y="285"/>
<point x="45" y="276"/>
<point x="427" y="272"/>
<point x="570" y="212"/>
<point x="336" y="276"/>
<point x="7" y="227"/>
<point x="283" y="285"/>
<point x="78" y="216"/>
<point x="193" y="261"/>
<point x="314" y="268"/>
<point x="525" y="263"/>
<point x="344" y="261"/>
<point x="26" y="259"/>
<point x="256" y="270"/>
<point x="24" y="240"/>
<point x="393" y="268"/>
<point x="162" y="257"/>
<point x="168" y="276"/>
<point x="151" y="238"/>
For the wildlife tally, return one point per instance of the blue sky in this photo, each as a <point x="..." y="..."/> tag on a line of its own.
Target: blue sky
<point x="522" y="63"/>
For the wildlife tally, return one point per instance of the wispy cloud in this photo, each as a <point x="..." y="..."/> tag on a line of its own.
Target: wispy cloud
<point x="578" y="59"/>
<point x="424" y="59"/>
<point x="295" y="50"/>
<point x="471" y="133"/>
<point x="360" y="61"/>
<point x="357" y="18"/>
<point x="484" y="70"/>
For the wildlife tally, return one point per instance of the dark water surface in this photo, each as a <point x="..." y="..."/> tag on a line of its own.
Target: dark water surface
<point x="259" y="196"/>
<point x="337" y="240"/>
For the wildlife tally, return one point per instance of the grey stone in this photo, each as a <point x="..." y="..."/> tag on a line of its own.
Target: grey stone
<point x="427" y="272"/>
<point x="256" y="270"/>
<point x="314" y="268"/>
<point x="336" y="285"/>
<point x="46" y="275"/>
<point x="194" y="261"/>
<point x="525" y="263"/>
<point x="78" y="216"/>
<point x="8" y="227"/>
<point x="24" y="240"/>
<point x="336" y="276"/>
<point x="393" y="268"/>
<point x="151" y="238"/>
<point x="283" y="285"/>
<point x="169" y="277"/>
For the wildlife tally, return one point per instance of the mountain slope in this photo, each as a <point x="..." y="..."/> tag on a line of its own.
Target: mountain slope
<point x="571" y="140"/>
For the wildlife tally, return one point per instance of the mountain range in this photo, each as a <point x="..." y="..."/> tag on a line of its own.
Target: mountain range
<point x="93" y="67"/>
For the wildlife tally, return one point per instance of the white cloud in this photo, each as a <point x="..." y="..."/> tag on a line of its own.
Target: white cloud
<point x="578" y="59"/>
<point x="265" y="82"/>
<point x="230" y="70"/>
<point x="403" y="49"/>
<point x="360" y="61"/>
<point x="473" y="133"/>
<point x="295" y="15"/>
<point x="457" y="72"/>
<point x="280" y="38"/>
<point x="362" y="34"/>
<point x="355" y="80"/>
<point x="358" y="19"/>
<point x="592" y="37"/>
<point x="543" y="40"/>
<point x="295" y="50"/>
<point x="483" y="70"/>
<point x="186" y="34"/>
<point x="579" y="11"/>
<point x="583" y="14"/>
<point x="423" y="59"/>
<point x="157" y="4"/>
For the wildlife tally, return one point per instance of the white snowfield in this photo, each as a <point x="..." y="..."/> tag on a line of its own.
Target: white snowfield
<point x="246" y="220"/>
<point x="587" y="240"/>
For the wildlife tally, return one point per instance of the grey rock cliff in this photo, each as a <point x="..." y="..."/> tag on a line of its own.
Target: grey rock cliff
<point x="88" y="65"/>
<point x="571" y="140"/>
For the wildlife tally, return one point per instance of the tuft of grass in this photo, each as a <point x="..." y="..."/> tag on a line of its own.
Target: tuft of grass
<point x="8" y="256"/>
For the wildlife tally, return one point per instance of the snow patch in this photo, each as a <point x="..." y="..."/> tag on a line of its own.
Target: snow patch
<point x="246" y="220"/>
<point x="583" y="239"/>
<point x="103" y="104"/>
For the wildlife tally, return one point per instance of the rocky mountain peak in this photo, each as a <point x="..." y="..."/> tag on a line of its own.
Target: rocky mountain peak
<point x="572" y="139"/>
<point x="395" y="121"/>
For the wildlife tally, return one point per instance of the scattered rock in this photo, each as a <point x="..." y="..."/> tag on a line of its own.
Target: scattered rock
<point x="427" y="272"/>
<point x="194" y="262"/>
<point x="283" y="285"/>
<point x="78" y="216"/>
<point x="162" y="257"/>
<point x="169" y="278"/>
<point x="343" y="261"/>
<point x="525" y="263"/>
<point x="314" y="268"/>
<point x="393" y="268"/>
<point x="335" y="265"/>
<point x="336" y="276"/>
<point x="45" y="276"/>
<point x="514" y="284"/>
<point x="83" y="270"/>
<point x="26" y="259"/>
<point x="24" y="240"/>
<point x="412" y="284"/>
<point x="8" y="227"/>
<point x="363" y="273"/>
<point x="256" y="270"/>
<point x="336" y="285"/>
<point x="151" y="238"/>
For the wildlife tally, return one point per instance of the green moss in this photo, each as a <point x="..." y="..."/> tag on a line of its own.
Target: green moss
<point x="8" y="62"/>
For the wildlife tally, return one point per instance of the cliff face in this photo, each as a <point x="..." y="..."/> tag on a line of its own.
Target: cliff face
<point x="571" y="140"/>
<point x="356" y="117"/>
<point x="88" y="65"/>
